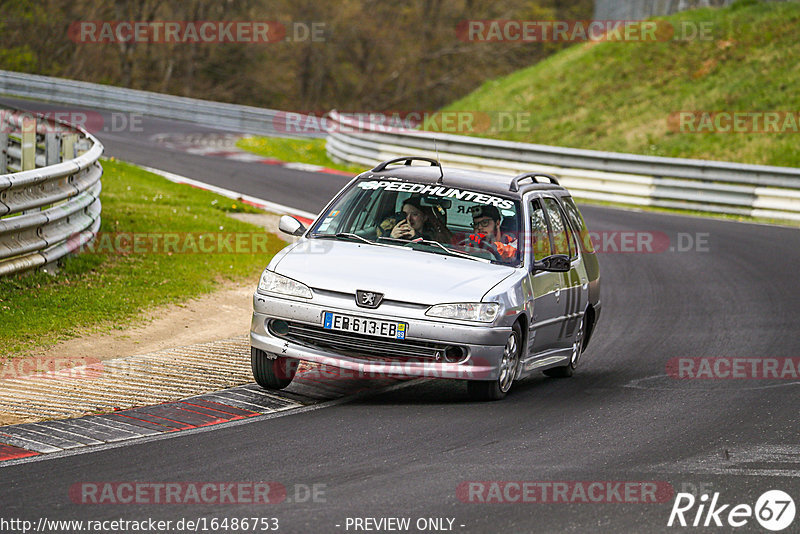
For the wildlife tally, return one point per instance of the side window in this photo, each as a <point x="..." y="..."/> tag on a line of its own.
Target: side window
<point x="571" y="237"/>
<point x="573" y="243"/>
<point x="340" y="216"/>
<point x="368" y="214"/>
<point x="576" y="219"/>
<point x="558" y="226"/>
<point x="540" y="237"/>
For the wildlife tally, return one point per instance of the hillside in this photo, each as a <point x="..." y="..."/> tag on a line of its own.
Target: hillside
<point x="627" y="96"/>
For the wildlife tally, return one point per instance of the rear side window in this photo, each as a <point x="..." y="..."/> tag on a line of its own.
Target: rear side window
<point x="540" y="236"/>
<point x="563" y="235"/>
<point x="561" y="239"/>
<point x="576" y="220"/>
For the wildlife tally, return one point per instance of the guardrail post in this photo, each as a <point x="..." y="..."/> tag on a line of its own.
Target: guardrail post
<point x="52" y="148"/>
<point x="3" y="149"/>
<point x="68" y="146"/>
<point x="28" y="159"/>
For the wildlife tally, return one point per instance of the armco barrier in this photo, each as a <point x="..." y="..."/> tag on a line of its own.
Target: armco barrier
<point x="688" y="184"/>
<point x="49" y="196"/>
<point x="233" y="117"/>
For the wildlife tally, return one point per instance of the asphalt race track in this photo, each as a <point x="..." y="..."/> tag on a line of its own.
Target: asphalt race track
<point x="407" y="452"/>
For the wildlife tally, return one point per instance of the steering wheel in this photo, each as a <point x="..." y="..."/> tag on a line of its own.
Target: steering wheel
<point x="481" y="244"/>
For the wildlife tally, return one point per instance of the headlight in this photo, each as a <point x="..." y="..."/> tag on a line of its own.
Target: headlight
<point x="482" y="312"/>
<point x="275" y="283"/>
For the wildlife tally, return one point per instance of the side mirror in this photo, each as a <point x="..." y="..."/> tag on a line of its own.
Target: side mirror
<point x="557" y="263"/>
<point x="290" y="225"/>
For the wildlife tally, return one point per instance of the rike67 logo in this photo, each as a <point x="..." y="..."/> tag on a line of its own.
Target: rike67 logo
<point x="774" y="511"/>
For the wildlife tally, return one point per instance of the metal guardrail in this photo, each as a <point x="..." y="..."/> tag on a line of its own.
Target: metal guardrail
<point x="687" y="184"/>
<point x="642" y="9"/>
<point x="49" y="196"/>
<point x="234" y="117"/>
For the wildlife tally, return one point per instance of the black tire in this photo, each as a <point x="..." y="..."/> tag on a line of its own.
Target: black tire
<point x="272" y="373"/>
<point x="565" y="371"/>
<point x="568" y="370"/>
<point x="492" y="390"/>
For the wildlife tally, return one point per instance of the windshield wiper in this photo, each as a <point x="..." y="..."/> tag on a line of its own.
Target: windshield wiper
<point x="403" y="242"/>
<point x="432" y="243"/>
<point x="451" y="251"/>
<point x="345" y="235"/>
<point x="394" y="239"/>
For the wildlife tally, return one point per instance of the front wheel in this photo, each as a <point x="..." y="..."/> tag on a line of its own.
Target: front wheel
<point x="488" y="390"/>
<point x="272" y="373"/>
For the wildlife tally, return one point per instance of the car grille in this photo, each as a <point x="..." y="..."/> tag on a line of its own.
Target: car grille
<point x="361" y="346"/>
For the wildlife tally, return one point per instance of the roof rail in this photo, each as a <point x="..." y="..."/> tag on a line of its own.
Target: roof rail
<point x="408" y="160"/>
<point x="514" y="187"/>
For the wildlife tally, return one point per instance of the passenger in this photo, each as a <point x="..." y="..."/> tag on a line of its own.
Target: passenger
<point x="486" y="224"/>
<point x="426" y="222"/>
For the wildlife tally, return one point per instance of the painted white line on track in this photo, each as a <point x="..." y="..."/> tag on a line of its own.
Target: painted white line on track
<point x="760" y="460"/>
<point x="667" y="383"/>
<point x="258" y="202"/>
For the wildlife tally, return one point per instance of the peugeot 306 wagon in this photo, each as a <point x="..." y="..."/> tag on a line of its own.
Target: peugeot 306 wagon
<point x="414" y="270"/>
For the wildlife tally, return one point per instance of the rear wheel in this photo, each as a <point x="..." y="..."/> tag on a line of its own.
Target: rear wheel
<point x="272" y="373"/>
<point x="487" y="390"/>
<point x="577" y="349"/>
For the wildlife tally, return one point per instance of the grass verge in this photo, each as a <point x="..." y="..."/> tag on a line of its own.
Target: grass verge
<point x="628" y="96"/>
<point x="295" y="151"/>
<point x="112" y="283"/>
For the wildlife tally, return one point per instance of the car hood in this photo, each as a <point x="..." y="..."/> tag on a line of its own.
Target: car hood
<point x="401" y="274"/>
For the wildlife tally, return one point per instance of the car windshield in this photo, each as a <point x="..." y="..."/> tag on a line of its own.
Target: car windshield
<point x="432" y="218"/>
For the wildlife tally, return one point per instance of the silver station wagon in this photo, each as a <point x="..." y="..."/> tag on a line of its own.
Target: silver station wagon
<point x="413" y="270"/>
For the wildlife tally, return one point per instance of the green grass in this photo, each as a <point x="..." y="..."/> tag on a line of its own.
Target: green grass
<point x="294" y="151"/>
<point x="618" y="96"/>
<point x="103" y="289"/>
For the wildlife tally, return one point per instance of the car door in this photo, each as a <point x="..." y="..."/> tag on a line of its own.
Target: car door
<point x="572" y="283"/>
<point x="548" y="306"/>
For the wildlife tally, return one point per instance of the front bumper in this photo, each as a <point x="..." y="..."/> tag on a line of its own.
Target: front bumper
<point x="483" y="343"/>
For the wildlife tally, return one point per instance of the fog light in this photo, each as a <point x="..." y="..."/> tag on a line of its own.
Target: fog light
<point x="279" y="327"/>
<point x="454" y="354"/>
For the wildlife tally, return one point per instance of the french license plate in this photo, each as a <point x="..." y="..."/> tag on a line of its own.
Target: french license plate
<point x="360" y="325"/>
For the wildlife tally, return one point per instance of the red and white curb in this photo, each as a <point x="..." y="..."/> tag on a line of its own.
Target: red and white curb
<point x="34" y="439"/>
<point x="154" y="395"/>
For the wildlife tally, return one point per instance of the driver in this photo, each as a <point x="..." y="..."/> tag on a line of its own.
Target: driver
<point x="486" y="224"/>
